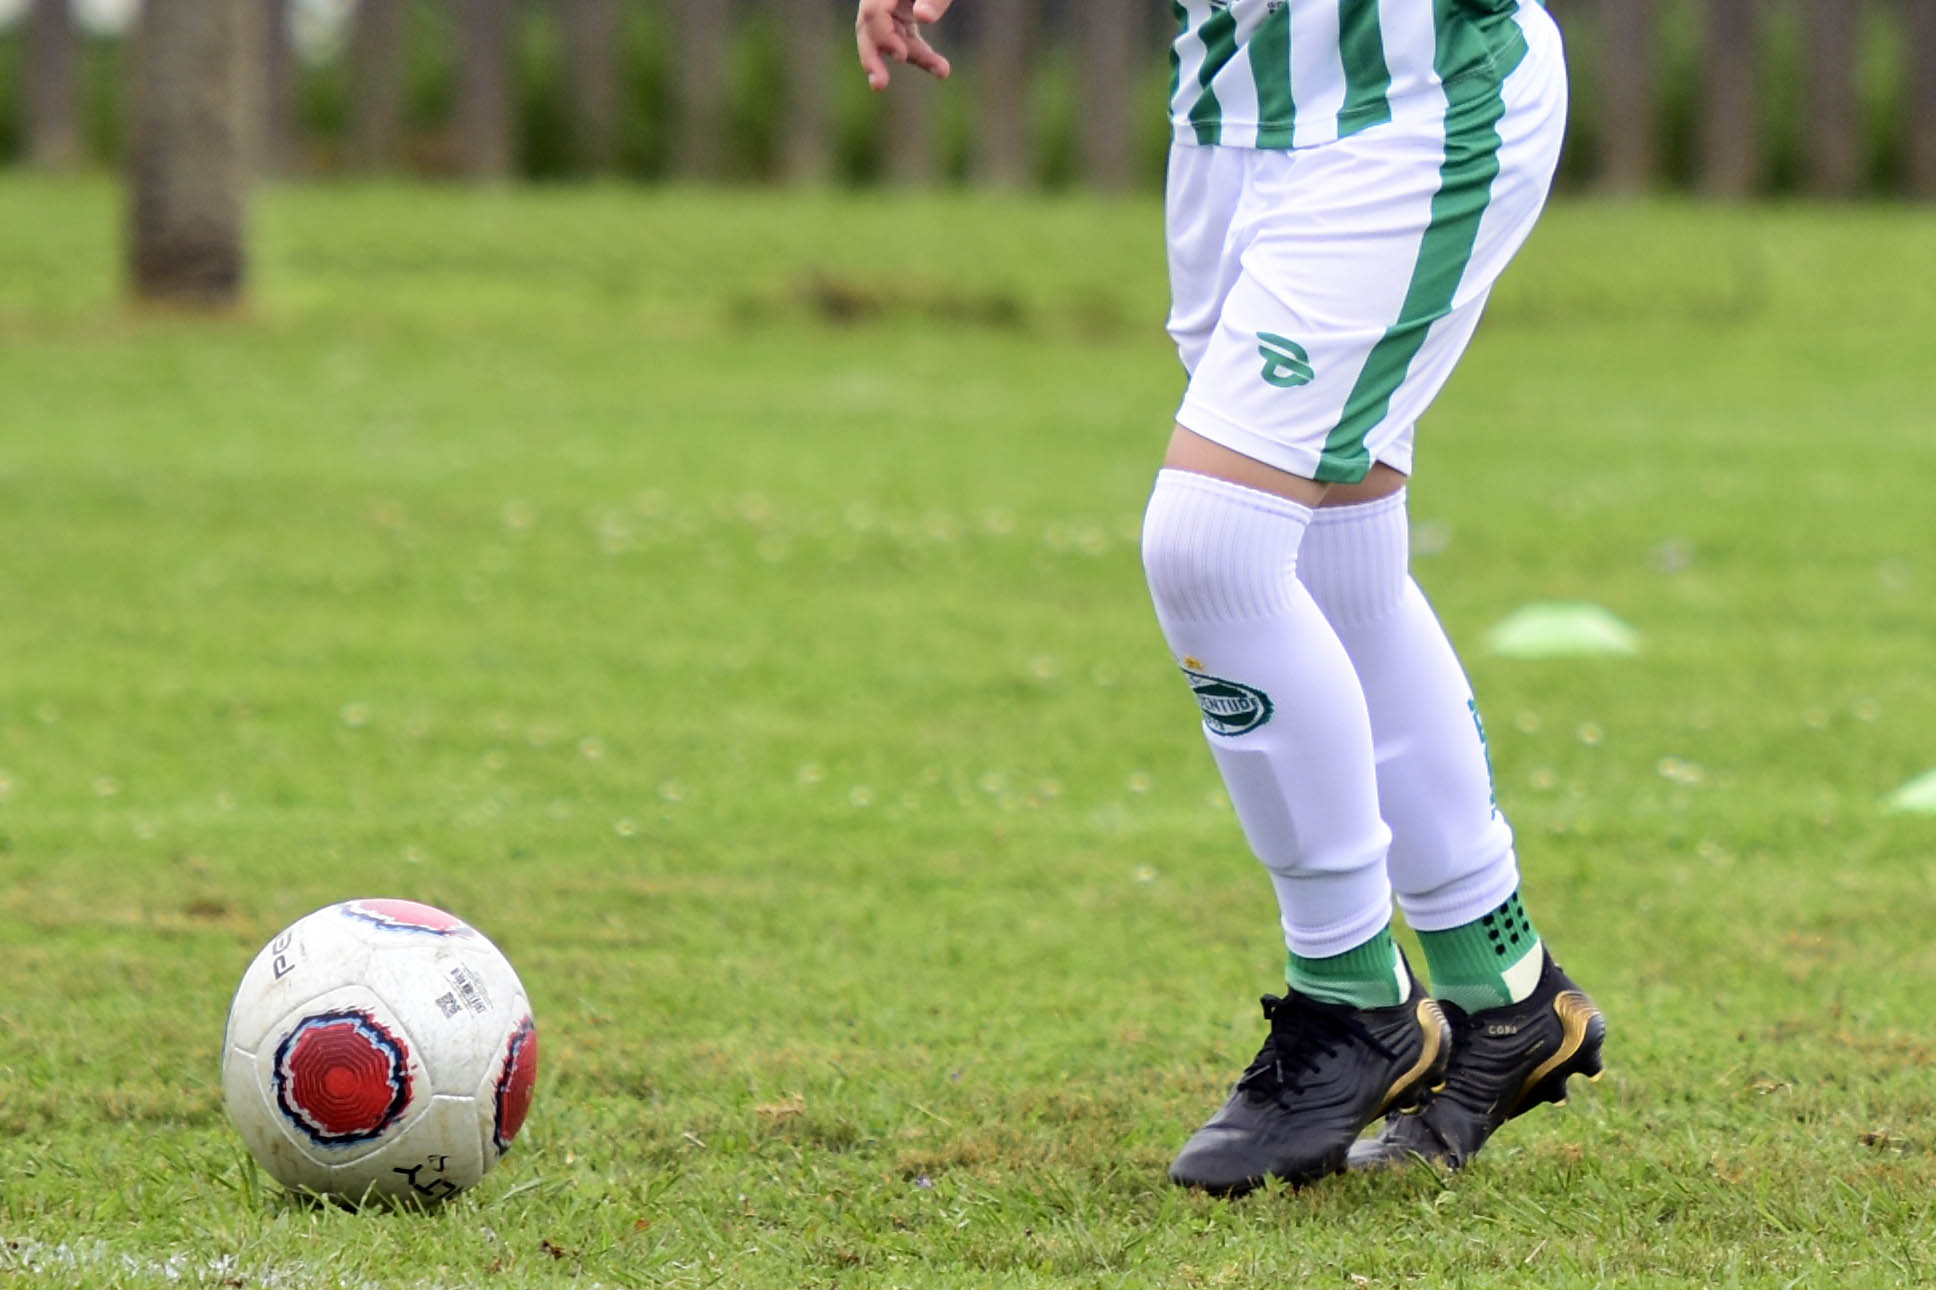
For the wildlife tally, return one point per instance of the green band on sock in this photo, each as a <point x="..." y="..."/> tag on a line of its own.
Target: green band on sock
<point x="1484" y="963"/>
<point x="1370" y="976"/>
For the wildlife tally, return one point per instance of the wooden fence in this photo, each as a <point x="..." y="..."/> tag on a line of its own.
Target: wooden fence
<point x="1726" y="97"/>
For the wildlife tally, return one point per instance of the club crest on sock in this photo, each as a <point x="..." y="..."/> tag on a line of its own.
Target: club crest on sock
<point x="1230" y="708"/>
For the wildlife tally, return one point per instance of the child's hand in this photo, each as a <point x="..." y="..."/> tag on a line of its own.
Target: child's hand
<point x="885" y="29"/>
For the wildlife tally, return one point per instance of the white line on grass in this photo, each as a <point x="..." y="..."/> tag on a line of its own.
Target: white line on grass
<point x="69" y="1262"/>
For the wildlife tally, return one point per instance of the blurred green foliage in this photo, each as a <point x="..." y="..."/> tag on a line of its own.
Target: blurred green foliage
<point x="759" y="69"/>
<point x="1882" y="81"/>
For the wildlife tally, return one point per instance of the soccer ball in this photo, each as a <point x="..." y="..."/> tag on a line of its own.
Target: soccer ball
<point x="379" y="1049"/>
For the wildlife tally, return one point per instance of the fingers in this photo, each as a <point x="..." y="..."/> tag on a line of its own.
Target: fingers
<point x="885" y="30"/>
<point x="877" y="40"/>
<point x="923" y="56"/>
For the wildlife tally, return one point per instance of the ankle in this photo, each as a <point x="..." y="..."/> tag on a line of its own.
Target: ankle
<point x="1490" y="962"/>
<point x="1371" y="975"/>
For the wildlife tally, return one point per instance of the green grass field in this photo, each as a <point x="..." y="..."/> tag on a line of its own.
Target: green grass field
<point x="731" y="604"/>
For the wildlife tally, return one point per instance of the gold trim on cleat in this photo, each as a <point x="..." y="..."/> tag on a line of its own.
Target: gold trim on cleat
<point x="1576" y="1012"/>
<point x="1432" y="1021"/>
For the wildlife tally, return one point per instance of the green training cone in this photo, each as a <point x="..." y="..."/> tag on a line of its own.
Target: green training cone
<point x="1918" y="795"/>
<point x="1561" y="629"/>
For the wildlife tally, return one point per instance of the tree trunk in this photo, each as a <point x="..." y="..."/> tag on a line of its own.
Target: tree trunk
<point x="1922" y="97"/>
<point x="1730" y="143"/>
<point x="699" y="144"/>
<point x="376" y="71"/>
<point x="809" y="60"/>
<point x="1110" y="53"/>
<point x="53" y="135"/>
<point x="276" y="127"/>
<point x="1001" y="67"/>
<point x="910" y="129"/>
<point x="1627" y="44"/>
<point x="591" y="76"/>
<point x="188" y="151"/>
<point x="1834" y="140"/>
<point x="484" y="88"/>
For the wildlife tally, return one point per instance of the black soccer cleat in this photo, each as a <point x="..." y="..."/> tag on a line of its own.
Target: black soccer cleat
<point x="1325" y="1072"/>
<point x="1505" y="1062"/>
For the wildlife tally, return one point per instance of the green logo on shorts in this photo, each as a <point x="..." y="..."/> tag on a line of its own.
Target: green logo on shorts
<point x="1287" y="364"/>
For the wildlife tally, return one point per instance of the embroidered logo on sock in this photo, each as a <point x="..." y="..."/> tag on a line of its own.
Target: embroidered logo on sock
<point x="1229" y="708"/>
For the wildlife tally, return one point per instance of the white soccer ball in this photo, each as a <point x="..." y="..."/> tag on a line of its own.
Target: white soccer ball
<point x="379" y="1049"/>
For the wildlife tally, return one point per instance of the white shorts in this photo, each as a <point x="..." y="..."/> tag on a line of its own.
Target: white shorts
<point x="1321" y="296"/>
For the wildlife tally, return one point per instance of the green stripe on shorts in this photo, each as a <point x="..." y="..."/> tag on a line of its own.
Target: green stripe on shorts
<point x="1474" y="106"/>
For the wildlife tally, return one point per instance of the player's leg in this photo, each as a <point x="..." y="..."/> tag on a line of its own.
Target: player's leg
<point x="1452" y="860"/>
<point x="1285" y="720"/>
<point x="1283" y="712"/>
<point x="1220" y="542"/>
<point x="1521" y="1026"/>
<point x="1288" y="728"/>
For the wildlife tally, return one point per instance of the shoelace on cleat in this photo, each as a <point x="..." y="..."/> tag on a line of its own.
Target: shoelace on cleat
<point x="1301" y="1032"/>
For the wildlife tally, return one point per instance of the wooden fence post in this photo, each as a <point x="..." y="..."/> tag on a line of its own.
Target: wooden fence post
<point x="275" y="121"/>
<point x="591" y="32"/>
<point x="484" y="88"/>
<point x="376" y="78"/>
<point x="1109" y="55"/>
<point x="53" y="133"/>
<point x="1627" y="36"/>
<point x="187" y="163"/>
<point x="809" y="46"/>
<point x="702" y="29"/>
<point x="1833" y="137"/>
<point x="1730" y="151"/>
<point x="1005" y="30"/>
<point x="1922" y="97"/>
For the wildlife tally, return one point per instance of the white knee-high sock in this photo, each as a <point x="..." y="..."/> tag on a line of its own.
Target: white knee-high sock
<point x="1282" y="710"/>
<point x="1452" y="852"/>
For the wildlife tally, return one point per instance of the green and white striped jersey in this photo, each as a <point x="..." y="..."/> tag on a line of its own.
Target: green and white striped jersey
<point x="1297" y="73"/>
